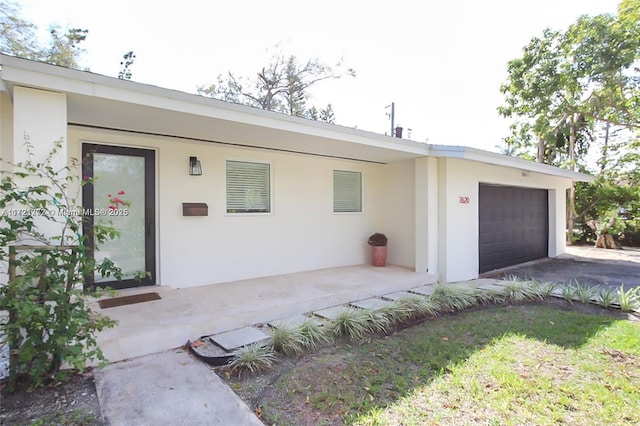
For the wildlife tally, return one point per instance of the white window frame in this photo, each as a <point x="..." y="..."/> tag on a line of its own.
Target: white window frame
<point x="359" y="191"/>
<point x="269" y="188"/>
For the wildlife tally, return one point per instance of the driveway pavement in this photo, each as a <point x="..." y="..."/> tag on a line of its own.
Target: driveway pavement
<point x="587" y="265"/>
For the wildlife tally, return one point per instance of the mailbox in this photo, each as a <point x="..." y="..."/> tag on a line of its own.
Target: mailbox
<point x="195" y="209"/>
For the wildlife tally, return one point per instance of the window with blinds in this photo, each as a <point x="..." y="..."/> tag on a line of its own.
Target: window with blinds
<point x="347" y="191"/>
<point x="248" y="187"/>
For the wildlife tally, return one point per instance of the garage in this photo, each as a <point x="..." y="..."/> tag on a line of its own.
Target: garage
<point x="513" y="225"/>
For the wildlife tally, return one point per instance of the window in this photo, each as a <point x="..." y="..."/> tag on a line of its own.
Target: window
<point x="347" y="191"/>
<point x="248" y="187"/>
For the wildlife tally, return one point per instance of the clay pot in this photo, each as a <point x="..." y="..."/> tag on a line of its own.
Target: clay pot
<point x="379" y="255"/>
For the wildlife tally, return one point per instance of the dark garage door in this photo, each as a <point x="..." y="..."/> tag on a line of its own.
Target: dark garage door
<point x="514" y="225"/>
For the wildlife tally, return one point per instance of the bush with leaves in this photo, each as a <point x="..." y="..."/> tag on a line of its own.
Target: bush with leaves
<point x="50" y="320"/>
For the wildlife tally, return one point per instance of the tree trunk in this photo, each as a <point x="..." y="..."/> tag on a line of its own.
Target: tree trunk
<point x="571" y="205"/>
<point x="605" y="149"/>
<point x="541" y="149"/>
<point x="606" y="241"/>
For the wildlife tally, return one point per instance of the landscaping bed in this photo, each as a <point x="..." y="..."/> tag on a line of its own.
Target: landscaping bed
<point x="496" y="364"/>
<point x="73" y="402"/>
<point x="488" y="352"/>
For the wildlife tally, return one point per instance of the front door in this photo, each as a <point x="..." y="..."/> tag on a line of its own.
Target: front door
<point x="121" y="193"/>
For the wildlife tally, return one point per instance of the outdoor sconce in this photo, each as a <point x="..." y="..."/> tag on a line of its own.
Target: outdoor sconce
<point x="195" y="169"/>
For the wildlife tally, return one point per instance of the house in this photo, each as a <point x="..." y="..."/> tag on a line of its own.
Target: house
<point x="222" y="192"/>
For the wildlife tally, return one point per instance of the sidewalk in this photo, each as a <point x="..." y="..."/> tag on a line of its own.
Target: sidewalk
<point x="168" y="388"/>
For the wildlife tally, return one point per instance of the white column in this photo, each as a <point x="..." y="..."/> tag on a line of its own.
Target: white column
<point x="421" y="215"/>
<point x="557" y="221"/>
<point x="442" y="219"/>
<point x="426" y="217"/>
<point x="40" y="116"/>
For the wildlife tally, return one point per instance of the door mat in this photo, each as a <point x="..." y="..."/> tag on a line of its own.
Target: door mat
<point x="128" y="300"/>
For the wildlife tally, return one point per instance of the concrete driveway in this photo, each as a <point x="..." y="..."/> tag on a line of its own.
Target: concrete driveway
<point x="585" y="264"/>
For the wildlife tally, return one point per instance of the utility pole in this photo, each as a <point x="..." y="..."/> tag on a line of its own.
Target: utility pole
<point x="393" y="117"/>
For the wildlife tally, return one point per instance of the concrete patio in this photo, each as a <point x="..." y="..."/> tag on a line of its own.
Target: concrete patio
<point x="181" y="314"/>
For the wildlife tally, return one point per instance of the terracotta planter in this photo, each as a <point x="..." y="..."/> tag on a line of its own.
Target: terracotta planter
<point x="379" y="255"/>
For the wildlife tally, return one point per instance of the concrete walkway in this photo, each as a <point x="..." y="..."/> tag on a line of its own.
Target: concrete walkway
<point x="168" y="388"/>
<point x="188" y="313"/>
<point x="175" y="388"/>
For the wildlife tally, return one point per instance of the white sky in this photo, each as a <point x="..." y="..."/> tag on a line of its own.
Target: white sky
<point x="442" y="63"/>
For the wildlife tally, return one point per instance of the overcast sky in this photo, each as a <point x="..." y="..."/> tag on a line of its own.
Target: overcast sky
<point x="442" y="63"/>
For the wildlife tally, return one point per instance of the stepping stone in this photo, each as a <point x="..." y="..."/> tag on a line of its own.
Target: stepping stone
<point x="398" y="295"/>
<point x="425" y="290"/>
<point x="490" y="287"/>
<point x="372" y="303"/>
<point x="557" y="292"/>
<point x="330" y="313"/>
<point x="238" y="338"/>
<point x="491" y="282"/>
<point x="463" y="284"/>
<point x="293" y="321"/>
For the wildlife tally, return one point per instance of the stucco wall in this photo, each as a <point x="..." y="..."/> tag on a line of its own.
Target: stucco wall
<point x="302" y="232"/>
<point x="398" y="205"/>
<point x="458" y="231"/>
<point x="6" y="127"/>
<point x="40" y="116"/>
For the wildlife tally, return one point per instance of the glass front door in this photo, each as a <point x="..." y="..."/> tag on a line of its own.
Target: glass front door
<point x="121" y="193"/>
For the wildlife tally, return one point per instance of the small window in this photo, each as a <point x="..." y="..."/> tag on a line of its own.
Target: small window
<point x="347" y="191"/>
<point x="248" y="187"/>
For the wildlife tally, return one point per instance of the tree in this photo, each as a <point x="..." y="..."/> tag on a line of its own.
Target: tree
<point x="584" y="75"/>
<point x="567" y="83"/>
<point x="325" y="114"/>
<point x="17" y="36"/>
<point x="126" y="63"/>
<point x="283" y="86"/>
<point x="611" y="205"/>
<point x="64" y="50"/>
<point x="19" y="39"/>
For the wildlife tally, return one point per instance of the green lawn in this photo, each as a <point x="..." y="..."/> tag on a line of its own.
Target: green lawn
<point x="527" y="364"/>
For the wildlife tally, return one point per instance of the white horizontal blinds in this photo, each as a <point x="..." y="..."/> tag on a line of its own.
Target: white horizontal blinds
<point x="347" y="191"/>
<point x="248" y="187"/>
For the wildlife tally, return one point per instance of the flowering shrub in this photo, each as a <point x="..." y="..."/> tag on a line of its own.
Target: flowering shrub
<point x="50" y="320"/>
<point x="114" y="202"/>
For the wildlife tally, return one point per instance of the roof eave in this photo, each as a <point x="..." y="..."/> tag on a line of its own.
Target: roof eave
<point x="446" y="151"/>
<point x="50" y="77"/>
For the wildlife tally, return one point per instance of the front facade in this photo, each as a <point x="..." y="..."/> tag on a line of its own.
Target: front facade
<point x="276" y="194"/>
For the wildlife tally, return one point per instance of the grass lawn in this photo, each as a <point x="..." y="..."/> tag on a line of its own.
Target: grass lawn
<point x="526" y="364"/>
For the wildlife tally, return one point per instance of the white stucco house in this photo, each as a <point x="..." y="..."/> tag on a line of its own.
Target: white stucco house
<point x="276" y="194"/>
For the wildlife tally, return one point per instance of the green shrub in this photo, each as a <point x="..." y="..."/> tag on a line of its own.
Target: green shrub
<point x="287" y="340"/>
<point x="568" y="292"/>
<point x="606" y="297"/>
<point x="629" y="299"/>
<point x="452" y="297"/>
<point x="252" y="358"/>
<point x="50" y="320"/>
<point x="585" y="293"/>
<point x="417" y="307"/>
<point x="351" y="323"/>
<point x="520" y="291"/>
<point x="542" y="289"/>
<point x="312" y="334"/>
